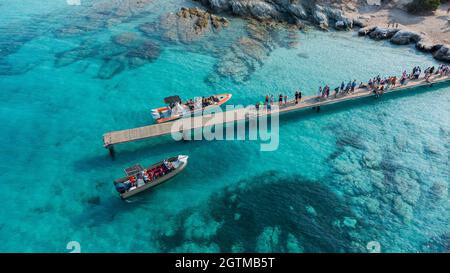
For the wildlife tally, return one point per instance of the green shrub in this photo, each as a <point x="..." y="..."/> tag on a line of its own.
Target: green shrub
<point x="423" y="6"/>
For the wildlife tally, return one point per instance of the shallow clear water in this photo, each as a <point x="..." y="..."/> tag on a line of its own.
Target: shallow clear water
<point x="372" y="170"/>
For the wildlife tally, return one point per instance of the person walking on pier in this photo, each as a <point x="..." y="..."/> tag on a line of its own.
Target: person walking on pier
<point x="336" y="91"/>
<point x="327" y="91"/>
<point x="428" y="73"/>
<point x="280" y="99"/>
<point x="342" y="86"/>
<point x="300" y="95"/>
<point x="296" y="97"/>
<point x="403" y="78"/>
<point x="353" y="86"/>
<point x="417" y="73"/>
<point x="319" y="93"/>
<point x="348" y="87"/>
<point x="285" y="99"/>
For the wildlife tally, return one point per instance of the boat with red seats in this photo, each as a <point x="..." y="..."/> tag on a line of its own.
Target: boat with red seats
<point x="139" y="179"/>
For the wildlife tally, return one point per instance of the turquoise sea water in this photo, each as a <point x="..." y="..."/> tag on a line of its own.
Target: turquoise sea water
<point x="373" y="170"/>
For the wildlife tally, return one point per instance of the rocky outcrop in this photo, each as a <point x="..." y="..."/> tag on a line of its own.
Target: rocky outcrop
<point x="320" y="18"/>
<point x="257" y="9"/>
<point x="404" y="37"/>
<point x="380" y="33"/>
<point x="101" y="14"/>
<point x="186" y="26"/>
<point x="443" y="53"/>
<point x="365" y="31"/>
<point x="426" y="45"/>
<point x="293" y="11"/>
<point x="360" y="22"/>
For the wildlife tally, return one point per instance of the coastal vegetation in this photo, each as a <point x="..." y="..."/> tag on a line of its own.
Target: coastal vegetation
<point x="421" y="6"/>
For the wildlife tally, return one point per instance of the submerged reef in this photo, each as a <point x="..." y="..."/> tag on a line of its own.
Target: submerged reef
<point x="101" y="15"/>
<point x="70" y="22"/>
<point x="382" y="187"/>
<point x="248" y="53"/>
<point x="81" y="21"/>
<point x="266" y="213"/>
<point x="238" y="57"/>
<point x="123" y="50"/>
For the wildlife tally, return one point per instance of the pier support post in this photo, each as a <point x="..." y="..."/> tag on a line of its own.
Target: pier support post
<point x="318" y="109"/>
<point x="112" y="152"/>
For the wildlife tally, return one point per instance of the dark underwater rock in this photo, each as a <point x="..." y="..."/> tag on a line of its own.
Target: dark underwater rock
<point x="146" y="52"/>
<point x="8" y="69"/>
<point x="69" y="31"/>
<point x="110" y="49"/>
<point x="73" y="55"/>
<point x="95" y="200"/>
<point x="126" y="39"/>
<point x="14" y="36"/>
<point x="266" y="213"/>
<point x="111" y="67"/>
<point x="149" y="28"/>
<point x="440" y="190"/>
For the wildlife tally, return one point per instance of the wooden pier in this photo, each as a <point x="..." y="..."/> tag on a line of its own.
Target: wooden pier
<point x="156" y="130"/>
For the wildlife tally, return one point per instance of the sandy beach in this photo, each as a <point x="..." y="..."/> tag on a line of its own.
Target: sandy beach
<point x="435" y="26"/>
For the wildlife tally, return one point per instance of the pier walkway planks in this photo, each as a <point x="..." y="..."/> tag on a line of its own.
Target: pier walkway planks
<point x="196" y="122"/>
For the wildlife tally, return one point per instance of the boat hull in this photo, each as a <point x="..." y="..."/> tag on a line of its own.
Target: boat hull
<point x="153" y="183"/>
<point x="223" y="98"/>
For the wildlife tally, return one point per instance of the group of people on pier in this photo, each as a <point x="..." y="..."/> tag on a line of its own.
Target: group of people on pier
<point x="377" y="85"/>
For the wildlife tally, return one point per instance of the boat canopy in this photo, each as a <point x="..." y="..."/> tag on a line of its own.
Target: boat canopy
<point x="133" y="170"/>
<point x="172" y="99"/>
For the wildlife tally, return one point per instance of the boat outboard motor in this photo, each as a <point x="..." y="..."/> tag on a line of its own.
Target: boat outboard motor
<point x="121" y="188"/>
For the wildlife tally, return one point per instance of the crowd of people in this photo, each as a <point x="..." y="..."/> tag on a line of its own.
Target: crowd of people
<point x="377" y="85"/>
<point x="145" y="176"/>
<point x="209" y="101"/>
<point x="194" y="104"/>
